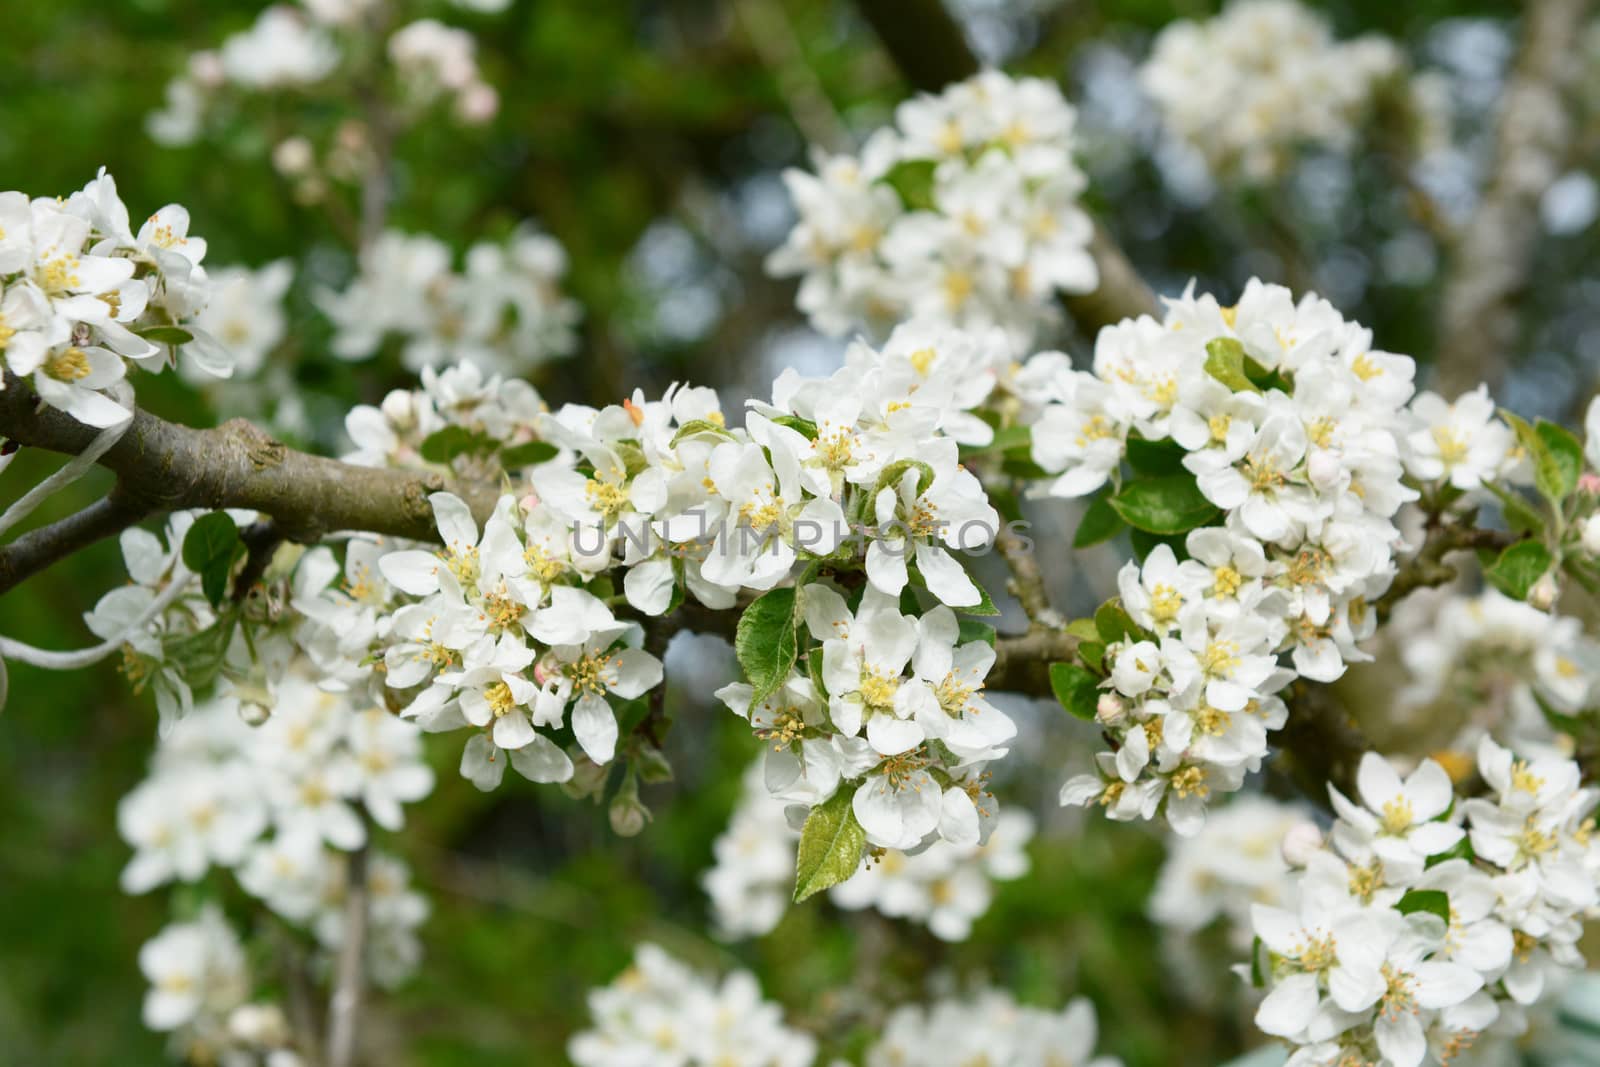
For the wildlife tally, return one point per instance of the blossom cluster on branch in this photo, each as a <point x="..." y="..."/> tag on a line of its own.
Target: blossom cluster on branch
<point x="1430" y="919"/>
<point x="965" y="211"/>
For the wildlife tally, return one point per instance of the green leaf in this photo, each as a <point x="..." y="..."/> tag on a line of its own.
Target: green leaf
<point x="442" y="446"/>
<point x="984" y="606"/>
<point x="912" y="179"/>
<point x="1144" y="543"/>
<point x="972" y="630"/>
<point x="1518" y="567"/>
<point x="894" y="472"/>
<point x="804" y="427"/>
<point x="528" y="454"/>
<point x="1093" y="654"/>
<point x="814" y="672"/>
<point x="830" y="846"/>
<point x="696" y="427"/>
<point x="1557" y="475"/>
<point x="166" y="335"/>
<point x="1100" y="522"/>
<point x="1155" y="457"/>
<point x="1257" y="979"/>
<point x="1113" y="623"/>
<point x="209" y="549"/>
<point x="1461" y="850"/>
<point x="764" y="642"/>
<point x="1432" y="901"/>
<point x="1076" y="689"/>
<point x="1172" y="504"/>
<point x="1084" y="629"/>
<point x="1225" y="362"/>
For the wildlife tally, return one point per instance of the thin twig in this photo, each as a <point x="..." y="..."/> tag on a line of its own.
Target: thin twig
<point x="771" y="34"/>
<point x="344" y="1007"/>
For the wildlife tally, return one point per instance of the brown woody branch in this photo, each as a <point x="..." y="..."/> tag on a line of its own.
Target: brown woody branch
<point x="162" y="466"/>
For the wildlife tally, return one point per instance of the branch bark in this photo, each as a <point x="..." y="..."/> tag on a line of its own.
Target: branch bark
<point x="344" y="1009"/>
<point x="1477" y="311"/>
<point x="38" y="549"/>
<point x="162" y="466"/>
<point x="931" y="51"/>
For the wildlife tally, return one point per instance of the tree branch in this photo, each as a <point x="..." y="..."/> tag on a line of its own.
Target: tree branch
<point x="38" y="549"/>
<point x="931" y="51"/>
<point x="344" y="1009"/>
<point x="1477" y="313"/>
<point x="162" y="466"/>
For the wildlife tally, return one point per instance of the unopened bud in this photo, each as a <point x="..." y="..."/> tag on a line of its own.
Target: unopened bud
<point x="653" y="766"/>
<point x="628" y="813"/>
<point x="1544" y="592"/>
<point x="1109" y="709"/>
<point x="1323" y="468"/>
<point x="261" y="1025"/>
<point x="1591" y="535"/>
<point x="1589" y="482"/>
<point x="1302" y="842"/>
<point x="293" y="156"/>
<point x="399" y="409"/>
<point x="254" y="713"/>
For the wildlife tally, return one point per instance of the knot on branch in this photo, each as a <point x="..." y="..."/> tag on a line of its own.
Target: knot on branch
<point x="260" y="448"/>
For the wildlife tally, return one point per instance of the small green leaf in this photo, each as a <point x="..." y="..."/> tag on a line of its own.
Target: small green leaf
<point x="1144" y="543"/>
<point x="896" y="471"/>
<point x="1100" y="522"/>
<point x="912" y="179"/>
<point x="814" y="671"/>
<point x="1257" y="979"/>
<point x="442" y="446"/>
<point x="1462" y="850"/>
<point x="209" y="549"/>
<point x="1225" y="362"/>
<point x="1432" y="901"/>
<point x="972" y="630"/>
<point x="697" y="427"/>
<point x="1084" y="629"/>
<point x="830" y="845"/>
<point x="1113" y="623"/>
<point x="1076" y="689"/>
<point x="805" y="427"/>
<point x="166" y="335"/>
<point x="1518" y="567"/>
<point x="528" y="454"/>
<point x="984" y="606"/>
<point x="1557" y="474"/>
<point x="1093" y="654"/>
<point x="1172" y="504"/>
<point x="1155" y="457"/>
<point x="765" y="644"/>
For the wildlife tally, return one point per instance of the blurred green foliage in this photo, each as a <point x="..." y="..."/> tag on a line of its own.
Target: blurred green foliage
<point x="616" y="117"/>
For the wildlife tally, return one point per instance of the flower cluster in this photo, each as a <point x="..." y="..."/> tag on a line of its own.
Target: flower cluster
<point x="965" y="211"/>
<point x="1234" y="862"/>
<point x="1279" y="421"/>
<point x="659" y="1011"/>
<point x="246" y="314"/>
<point x="989" y="1027"/>
<point x="504" y="312"/>
<point x="1487" y="663"/>
<point x="1430" y="920"/>
<point x="82" y="294"/>
<point x="945" y="887"/>
<point x="614" y="516"/>
<point x="293" y="48"/>
<point x="1249" y="86"/>
<point x="277" y="804"/>
<point x="200" y="987"/>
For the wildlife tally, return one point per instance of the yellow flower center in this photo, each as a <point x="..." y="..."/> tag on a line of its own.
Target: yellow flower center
<point x="69" y="366"/>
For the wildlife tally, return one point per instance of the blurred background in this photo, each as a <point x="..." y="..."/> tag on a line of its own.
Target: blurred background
<point x="649" y="137"/>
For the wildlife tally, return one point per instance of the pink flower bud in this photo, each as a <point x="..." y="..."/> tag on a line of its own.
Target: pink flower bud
<point x="1109" y="709"/>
